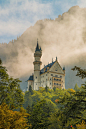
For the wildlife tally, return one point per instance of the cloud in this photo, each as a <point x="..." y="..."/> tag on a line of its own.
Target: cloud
<point x="18" y="15"/>
<point x="63" y="37"/>
<point x="81" y="3"/>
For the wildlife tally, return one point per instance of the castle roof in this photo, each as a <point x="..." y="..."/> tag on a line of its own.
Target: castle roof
<point x="30" y="78"/>
<point x="63" y="68"/>
<point x="37" y="47"/>
<point x="45" y="67"/>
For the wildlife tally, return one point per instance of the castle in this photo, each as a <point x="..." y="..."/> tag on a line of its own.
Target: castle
<point x="52" y="75"/>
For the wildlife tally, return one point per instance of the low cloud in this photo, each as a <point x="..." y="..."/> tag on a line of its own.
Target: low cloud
<point x="63" y="37"/>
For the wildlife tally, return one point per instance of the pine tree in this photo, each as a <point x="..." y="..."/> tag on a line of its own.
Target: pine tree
<point x="10" y="92"/>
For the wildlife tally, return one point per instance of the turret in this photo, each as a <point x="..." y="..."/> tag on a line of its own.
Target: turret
<point x="37" y="63"/>
<point x="64" y="69"/>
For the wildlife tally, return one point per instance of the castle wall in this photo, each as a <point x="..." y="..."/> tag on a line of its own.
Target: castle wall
<point x="36" y="67"/>
<point x="37" y="58"/>
<point x="37" y="80"/>
<point x="30" y="83"/>
<point x="52" y="79"/>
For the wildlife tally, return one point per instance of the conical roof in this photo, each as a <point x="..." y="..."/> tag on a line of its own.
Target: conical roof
<point x="37" y="47"/>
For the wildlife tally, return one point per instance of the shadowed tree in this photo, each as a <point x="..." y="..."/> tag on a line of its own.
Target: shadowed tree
<point x="76" y="88"/>
<point x="46" y="88"/>
<point x="73" y="105"/>
<point x="30" y="89"/>
<point x="10" y="92"/>
<point x="54" y="88"/>
<point x="40" y="112"/>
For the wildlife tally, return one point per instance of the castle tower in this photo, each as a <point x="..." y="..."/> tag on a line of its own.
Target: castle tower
<point x="37" y="63"/>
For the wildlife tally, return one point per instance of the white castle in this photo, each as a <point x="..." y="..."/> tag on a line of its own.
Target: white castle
<point x="52" y="75"/>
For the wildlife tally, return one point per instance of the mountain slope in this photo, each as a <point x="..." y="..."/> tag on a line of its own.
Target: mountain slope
<point x="64" y="37"/>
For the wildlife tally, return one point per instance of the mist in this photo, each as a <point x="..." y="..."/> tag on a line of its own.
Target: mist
<point x="64" y="37"/>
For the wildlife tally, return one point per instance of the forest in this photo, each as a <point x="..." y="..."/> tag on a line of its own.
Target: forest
<point x="43" y="109"/>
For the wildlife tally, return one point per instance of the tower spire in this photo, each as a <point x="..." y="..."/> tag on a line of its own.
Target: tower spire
<point x="52" y="60"/>
<point x="37" y="47"/>
<point x="56" y="58"/>
<point x="37" y="64"/>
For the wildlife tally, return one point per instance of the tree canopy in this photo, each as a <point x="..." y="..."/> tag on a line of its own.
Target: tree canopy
<point x="10" y="92"/>
<point x="13" y="119"/>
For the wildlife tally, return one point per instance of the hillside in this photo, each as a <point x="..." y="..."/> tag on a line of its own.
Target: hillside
<point x="64" y="37"/>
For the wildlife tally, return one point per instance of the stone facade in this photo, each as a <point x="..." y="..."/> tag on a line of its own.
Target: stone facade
<point x="52" y="75"/>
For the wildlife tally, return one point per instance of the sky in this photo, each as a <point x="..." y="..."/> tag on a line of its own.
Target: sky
<point x="18" y="15"/>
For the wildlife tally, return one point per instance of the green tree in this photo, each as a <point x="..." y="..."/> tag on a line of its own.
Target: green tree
<point x="80" y="72"/>
<point x="27" y="99"/>
<point x="10" y="92"/>
<point x="76" y="88"/>
<point x="54" y="88"/>
<point x="73" y="105"/>
<point x="40" y="113"/>
<point x="55" y="122"/>
<point x="30" y="89"/>
<point x="13" y="119"/>
<point x="46" y="88"/>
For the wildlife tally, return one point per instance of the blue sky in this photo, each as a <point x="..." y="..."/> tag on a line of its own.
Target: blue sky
<point x="18" y="15"/>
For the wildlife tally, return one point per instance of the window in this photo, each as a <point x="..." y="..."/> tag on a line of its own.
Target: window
<point x="56" y="70"/>
<point x="51" y="74"/>
<point x="50" y="78"/>
<point x="56" y="75"/>
<point x="36" y="77"/>
<point x="46" y="74"/>
<point x="36" y="83"/>
<point x="50" y="83"/>
<point x="56" y="79"/>
<point x="60" y="76"/>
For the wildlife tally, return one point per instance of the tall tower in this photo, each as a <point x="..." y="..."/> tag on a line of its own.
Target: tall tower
<point x="37" y="63"/>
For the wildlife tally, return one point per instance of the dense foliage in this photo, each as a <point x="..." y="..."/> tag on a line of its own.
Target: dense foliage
<point x="11" y="97"/>
<point x="48" y="108"/>
<point x="10" y="92"/>
<point x="12" y="119"/>
<point x="69" y="106"/>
